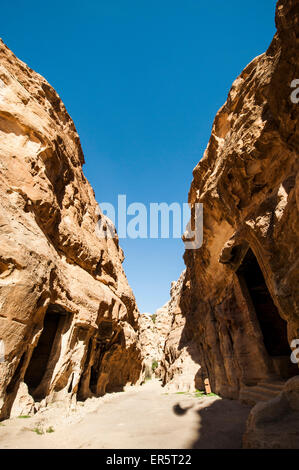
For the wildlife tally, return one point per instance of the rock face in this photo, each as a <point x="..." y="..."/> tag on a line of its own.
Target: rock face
<point x="275" y="424"/>
<point x="153" y="330"/>
<point x="68" y="317"/>
<point x="163" y="344"/>
<point x="179" y="360"/>
<point x="148" y="339"/>
<point x="238" y="311"/>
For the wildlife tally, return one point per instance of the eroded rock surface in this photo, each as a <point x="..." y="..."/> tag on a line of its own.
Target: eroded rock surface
<point x="153" y="330"/>
<point x="275" y="424"/>
<point x="164" y="345"/>
<point x="148" y="340"/>
<point x="238" y="310"/>
<point x="68" y="317"/>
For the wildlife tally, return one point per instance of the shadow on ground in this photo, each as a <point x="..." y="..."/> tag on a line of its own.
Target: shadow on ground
<point x="221" y="424"/>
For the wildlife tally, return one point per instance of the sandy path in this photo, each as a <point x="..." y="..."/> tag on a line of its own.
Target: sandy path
<point x="141" y="418"/>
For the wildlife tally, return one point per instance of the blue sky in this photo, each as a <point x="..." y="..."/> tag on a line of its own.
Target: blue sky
<point x="142" y="81"/>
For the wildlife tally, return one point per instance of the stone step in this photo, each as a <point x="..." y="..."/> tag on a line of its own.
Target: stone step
<point x="264" y="391"/>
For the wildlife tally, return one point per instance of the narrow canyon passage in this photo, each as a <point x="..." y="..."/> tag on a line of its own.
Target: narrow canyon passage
<point x="144" y="417"/>
<point x="41" y="356"/>
<point x="273" y="327"/>
<point x="82" y="363"/>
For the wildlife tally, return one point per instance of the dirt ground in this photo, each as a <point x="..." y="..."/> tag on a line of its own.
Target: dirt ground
<point x="145" y="417"/>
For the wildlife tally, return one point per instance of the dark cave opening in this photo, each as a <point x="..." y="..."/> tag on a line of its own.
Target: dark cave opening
<point x="273" y="327"/>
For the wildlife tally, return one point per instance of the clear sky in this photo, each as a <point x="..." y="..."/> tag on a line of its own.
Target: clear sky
<point x="142" y="81"/>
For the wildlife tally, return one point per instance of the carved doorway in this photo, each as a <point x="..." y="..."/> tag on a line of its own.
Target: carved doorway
<point x="273" y="327"/>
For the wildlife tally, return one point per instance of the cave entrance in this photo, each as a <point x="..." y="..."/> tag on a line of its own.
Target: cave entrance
<point x="44" y="350"/>
<point x="273" y="327"/>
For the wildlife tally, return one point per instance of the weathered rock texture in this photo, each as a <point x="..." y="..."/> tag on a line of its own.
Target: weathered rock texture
<point x="68" y="317"/>
<point x="179" y="359"/>
<point x="148" y="340"/>
<point x="162" y="342"/>
<point x="275" y="424"/>
<point x="239" y="300"/>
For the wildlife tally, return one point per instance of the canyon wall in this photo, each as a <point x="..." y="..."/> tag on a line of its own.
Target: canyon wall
<point x="179" y="364"/>
<point x="149" y="343"/>
<point x="238" y="309"/>
<point x="68" y="318"/>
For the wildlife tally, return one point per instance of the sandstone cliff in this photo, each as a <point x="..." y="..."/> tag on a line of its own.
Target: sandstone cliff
<point x="149" y="340"/>
<point x="164" y="344"/>
<point x="238" y="310"/>
<point x="68" y="317"/>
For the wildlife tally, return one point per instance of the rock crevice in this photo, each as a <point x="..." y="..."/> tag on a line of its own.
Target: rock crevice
<point x="239" y="299"/>
<point x="68" y="317"/>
